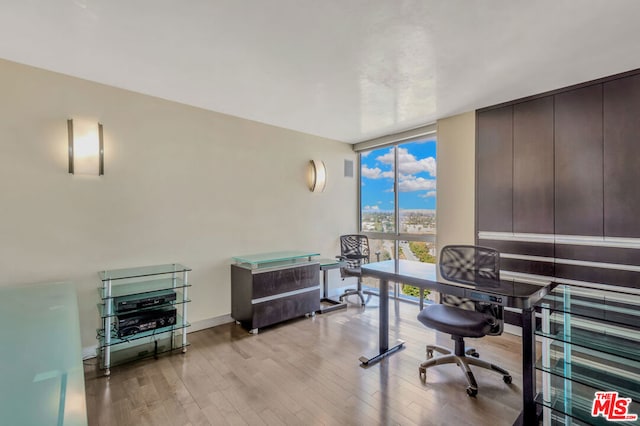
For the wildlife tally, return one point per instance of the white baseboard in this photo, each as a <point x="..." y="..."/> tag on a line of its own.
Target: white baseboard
<point x="513" y="329"/>
<point x="90" y="351"/>
<point x="208" y="323"/>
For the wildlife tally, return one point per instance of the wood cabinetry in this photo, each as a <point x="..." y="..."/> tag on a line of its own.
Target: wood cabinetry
<point x="621" y="154"/>
<point x="533" y="166"/>
<point x="267" y="293"/>
<point x="494" y="170"/>
<point x="578" y="162"/>
<point x="573" y="157"/>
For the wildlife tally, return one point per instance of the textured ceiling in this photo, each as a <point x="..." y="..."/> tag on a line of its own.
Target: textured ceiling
<point x="343" y="69"/>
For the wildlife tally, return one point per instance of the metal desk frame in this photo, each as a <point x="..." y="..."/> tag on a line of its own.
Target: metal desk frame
<point x="423" y="275"/>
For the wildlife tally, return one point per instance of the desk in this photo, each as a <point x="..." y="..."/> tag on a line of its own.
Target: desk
<point x="327" y="304"/>
<point x="506" y="293"/>
<point x="40" y="356"/>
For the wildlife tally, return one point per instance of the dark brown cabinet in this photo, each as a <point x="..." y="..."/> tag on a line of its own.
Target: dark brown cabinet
<point x="578" y="162"/>
<point x="574" y="155"/>
<point x="622" y="157"/>
<point x="494" y="162"/>
<point x="533" y="166"/>
<point x="265" y="296"/>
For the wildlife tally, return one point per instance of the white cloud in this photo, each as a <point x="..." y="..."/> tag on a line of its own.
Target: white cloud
<point x="408" y="163"/>
<point x="371" y="208"/>
<point x="375" y="173"/>
<point x="428" y="194"/>
<point x="411" y="183"/>
<point x="386" y="158"/>
<point x="370" y="173"/>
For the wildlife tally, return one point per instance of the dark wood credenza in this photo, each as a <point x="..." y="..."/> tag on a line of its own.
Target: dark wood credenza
<point x="270" y="288"/>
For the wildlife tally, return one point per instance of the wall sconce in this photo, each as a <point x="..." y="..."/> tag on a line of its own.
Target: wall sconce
<point x="317" y="176"/>
<point x="86" y="148"/>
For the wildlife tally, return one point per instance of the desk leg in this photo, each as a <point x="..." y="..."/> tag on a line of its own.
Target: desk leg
<point x="383" y="329"/>
<point x="326" y="304"/>
<point x="528" y="415"/>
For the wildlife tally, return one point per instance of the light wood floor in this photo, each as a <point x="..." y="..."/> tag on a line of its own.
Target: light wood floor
<point x="306" y="372"/>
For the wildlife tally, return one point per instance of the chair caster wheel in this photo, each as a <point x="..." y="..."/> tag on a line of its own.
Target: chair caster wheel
<point x="472" y="392"/>
<point x="423" y="373"/>
<point x="429" y="354"/>
<point x="475" y="355"/>
<point x="507" y="379"/>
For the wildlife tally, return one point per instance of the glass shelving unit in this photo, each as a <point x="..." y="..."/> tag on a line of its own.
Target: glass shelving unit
<point x="160" y="292"/>
<point x="590" y="343"/>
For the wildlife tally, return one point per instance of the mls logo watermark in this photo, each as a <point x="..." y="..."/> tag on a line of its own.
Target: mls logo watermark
<point x="612" y="407"/>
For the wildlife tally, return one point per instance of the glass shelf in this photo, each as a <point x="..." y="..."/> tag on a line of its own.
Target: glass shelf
<point x="576" y="400"/>
<point x="179" y="301"/>
<point x="144" y="287"/>
<point x="594" y="347"/>
<point x="115" y="340"/>
<point x="258" y="260"/>
<point x="602" y="337"/>
<point x="138" y="350"/>
<point x="604" y="305"/>
<point x="144" y="271"/>
<point x="591" y="368"/>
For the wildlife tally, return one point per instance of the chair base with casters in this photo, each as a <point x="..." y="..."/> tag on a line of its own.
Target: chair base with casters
<point x="459" y="323"/>
<point x="358" y="291"/>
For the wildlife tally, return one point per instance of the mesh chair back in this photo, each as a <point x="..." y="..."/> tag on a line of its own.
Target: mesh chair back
<point x="470" y="264"/>
<point x="473" y="265"/>
<point x="354" y="249"/>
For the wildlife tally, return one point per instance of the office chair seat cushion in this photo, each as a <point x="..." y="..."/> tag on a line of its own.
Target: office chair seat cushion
<point x="456" y="321"/>
<point x="352" y="272"/>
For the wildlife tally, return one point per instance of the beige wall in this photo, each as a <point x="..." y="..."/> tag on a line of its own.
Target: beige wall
<point x="456" y="180"/>
<point x="181" y="185"/>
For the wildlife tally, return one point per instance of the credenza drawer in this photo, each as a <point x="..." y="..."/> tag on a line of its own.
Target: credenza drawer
<point x="282" y="309"/>
<point x="274" y="282"/>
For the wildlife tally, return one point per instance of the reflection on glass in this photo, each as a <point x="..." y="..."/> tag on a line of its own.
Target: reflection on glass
<point x="377" y="204"/>
<point x="386" y="250"/>
<point x="418" y="251"/>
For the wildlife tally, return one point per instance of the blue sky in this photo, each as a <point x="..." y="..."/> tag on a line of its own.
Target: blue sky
<point x="417" y="182"/>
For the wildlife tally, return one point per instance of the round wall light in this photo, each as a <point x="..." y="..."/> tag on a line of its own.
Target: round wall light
<point x="317" y="176"/>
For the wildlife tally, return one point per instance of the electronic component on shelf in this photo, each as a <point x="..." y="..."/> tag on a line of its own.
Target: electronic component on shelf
<point x="143" y="300"/>
<point x="136" y="322"/>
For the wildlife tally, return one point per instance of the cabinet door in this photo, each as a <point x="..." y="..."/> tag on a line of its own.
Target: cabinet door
<point x="621" y="154"/>
<point x="494" y="160"/>
<point x="533" y="166"/>
<point x="578" y="162"/>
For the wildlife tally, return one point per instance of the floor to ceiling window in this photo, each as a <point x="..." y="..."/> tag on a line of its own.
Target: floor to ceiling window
<point x="398" y="202"/>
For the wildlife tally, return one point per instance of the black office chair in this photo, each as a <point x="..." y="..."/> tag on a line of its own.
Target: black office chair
<point x="461" y="317"/>
<point x="354" y="250"/>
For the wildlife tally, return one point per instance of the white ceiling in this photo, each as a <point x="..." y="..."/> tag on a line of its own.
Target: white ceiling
<point x="348" y="70"/>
